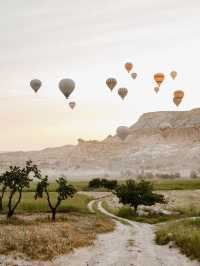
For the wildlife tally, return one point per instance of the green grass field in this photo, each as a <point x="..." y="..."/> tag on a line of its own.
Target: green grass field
<point x="177" y="184"/>
<point x="168" y="184"/>
<point x="29" y="205"/>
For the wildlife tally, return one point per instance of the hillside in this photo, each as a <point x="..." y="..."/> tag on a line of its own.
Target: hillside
<point x="159" y="142"/>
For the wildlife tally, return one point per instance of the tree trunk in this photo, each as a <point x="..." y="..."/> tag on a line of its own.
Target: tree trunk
<point x="11" y="209"/>
<point x="10" y="213"/>
<point x="1" y="198"/>
<point x="53" y="218"/>
<point x="1" y="204"/>
<point x="135" y="207"/>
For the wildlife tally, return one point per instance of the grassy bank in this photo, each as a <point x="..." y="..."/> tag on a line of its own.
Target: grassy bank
<point x="185" y="235"/>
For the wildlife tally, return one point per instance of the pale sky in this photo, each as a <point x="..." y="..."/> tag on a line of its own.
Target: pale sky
<point x="89" y="41"/>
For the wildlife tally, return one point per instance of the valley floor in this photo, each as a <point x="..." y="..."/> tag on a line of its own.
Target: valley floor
<point x="131" y="243"/>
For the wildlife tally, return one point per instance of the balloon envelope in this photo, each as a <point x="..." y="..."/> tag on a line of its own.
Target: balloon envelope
<point x="179" y="94"/>
<point x="134" y="75"/>
<point x="159" y="78"/>
<point x="122" y="92"/>
<point x="67" y="86"/>
<point x="128" y="66"/>
<point x="173" y="74"/>
<point x="72" y="105"/>
<point x="123" y="132"/>
<point x="111" y="83"/>
<point x="35" y="84"/>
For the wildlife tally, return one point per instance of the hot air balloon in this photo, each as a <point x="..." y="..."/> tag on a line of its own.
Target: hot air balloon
<point x="156" y="89"/>
<point x="128" y="67"/>
<point x="111" y="83"/>
<point x="159" y="77"/>
<point x="35" y="84"/>
<point x="134" y="75"/>
<point x="122" y="92"/>
<point x="173" y="74"/>
<point x="67" y="86"/>
<point x="179" y="94"/>
<point x="123" y="132"/>
<point x="72" y="105"/>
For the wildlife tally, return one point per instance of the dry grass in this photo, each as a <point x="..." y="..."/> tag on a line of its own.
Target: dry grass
<point x="39" y="239"/>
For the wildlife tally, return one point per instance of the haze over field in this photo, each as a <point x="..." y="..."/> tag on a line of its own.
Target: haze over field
<point x="90" y="41"/>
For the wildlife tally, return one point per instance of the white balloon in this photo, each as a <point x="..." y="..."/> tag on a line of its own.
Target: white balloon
<point x="35" y="84"/>
<point x="67" y="86"/>
<point x="123" y="132"/>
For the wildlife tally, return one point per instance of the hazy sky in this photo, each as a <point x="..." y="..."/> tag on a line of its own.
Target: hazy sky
<point x="88" y="41"/>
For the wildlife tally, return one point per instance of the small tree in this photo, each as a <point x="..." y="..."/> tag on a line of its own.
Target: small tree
<point x="15" y="180"/>
<point x="95" y="183"/>
<point x="64" y="191"/>
<point x="135" y="194"/>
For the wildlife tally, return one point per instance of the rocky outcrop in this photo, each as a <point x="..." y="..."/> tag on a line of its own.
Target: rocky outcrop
<point x="160" y="142"/>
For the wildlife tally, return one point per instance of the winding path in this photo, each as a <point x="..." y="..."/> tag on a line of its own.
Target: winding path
<point x="130" y="244"/>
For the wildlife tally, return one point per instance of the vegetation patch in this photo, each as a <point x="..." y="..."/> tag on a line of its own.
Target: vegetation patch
<point x="38" y="239"/>
<point x="185" y="234"/>
<point x="128" y="213"/>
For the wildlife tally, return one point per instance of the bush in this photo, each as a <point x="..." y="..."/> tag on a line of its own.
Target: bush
<point x="103" y="183"/>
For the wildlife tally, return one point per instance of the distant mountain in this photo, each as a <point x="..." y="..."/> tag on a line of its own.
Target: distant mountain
<point x="160" y="142"/>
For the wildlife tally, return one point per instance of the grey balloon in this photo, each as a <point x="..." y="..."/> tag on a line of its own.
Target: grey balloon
<point x="123" y="132"/>
<point x="67" y="86"/>
<point x="35" y="84"/>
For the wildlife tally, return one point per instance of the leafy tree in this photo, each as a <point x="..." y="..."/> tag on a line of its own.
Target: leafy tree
<point x="95" y="183"/>
<point x="135" y="194"/>
<point x="64" y="191"/>
<point x="15" y="180"/>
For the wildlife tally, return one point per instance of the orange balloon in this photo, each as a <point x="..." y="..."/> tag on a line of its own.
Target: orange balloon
<point x="122" y="92"/>
<point x="179" y="94"/>
<point x="159" y="78"/>
<point x="128" y="66"/>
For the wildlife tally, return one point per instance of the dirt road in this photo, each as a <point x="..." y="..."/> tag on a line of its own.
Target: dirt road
<point x="128" y="245"/>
